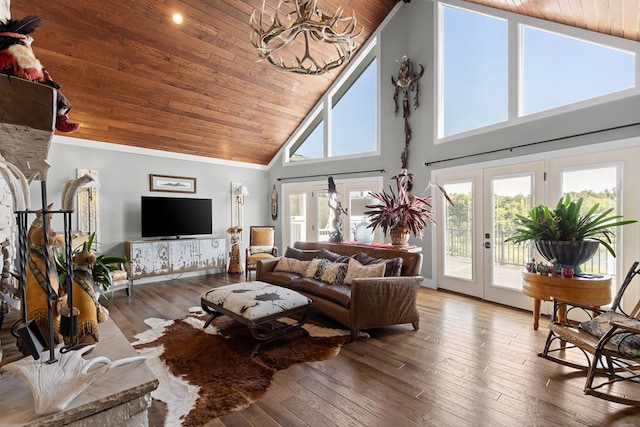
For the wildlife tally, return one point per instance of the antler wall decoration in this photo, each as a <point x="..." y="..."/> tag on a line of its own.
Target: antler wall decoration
<point x="279" y="44"/>
<point x="407" y="81"/>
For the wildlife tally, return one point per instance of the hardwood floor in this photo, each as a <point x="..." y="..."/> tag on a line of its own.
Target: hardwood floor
<point x="471" y="363"/>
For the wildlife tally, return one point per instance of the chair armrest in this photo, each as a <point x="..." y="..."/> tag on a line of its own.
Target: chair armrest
<point x="630" y="325"/>
<point x="623" y="337"/>
<point x="570" y="307"/>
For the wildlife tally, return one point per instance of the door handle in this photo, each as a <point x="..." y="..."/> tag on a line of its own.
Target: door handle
<point x="487" y="245"/>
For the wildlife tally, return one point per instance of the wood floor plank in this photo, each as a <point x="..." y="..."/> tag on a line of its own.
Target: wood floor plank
<point x="471" y="363"/>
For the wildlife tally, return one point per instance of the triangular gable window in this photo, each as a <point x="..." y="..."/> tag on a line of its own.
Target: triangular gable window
<point x="559" y="70"/>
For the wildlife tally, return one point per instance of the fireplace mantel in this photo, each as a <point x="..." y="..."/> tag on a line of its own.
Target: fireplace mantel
<point x="119" y="397"/>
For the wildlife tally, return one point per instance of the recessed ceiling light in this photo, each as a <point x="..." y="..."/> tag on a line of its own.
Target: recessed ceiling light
<point x="177" y="18"/>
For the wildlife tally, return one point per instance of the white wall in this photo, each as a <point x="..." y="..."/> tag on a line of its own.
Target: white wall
<point x="124" y="177"/>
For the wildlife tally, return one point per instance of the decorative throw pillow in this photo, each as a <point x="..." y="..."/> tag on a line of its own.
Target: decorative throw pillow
<point x="312" y="268"/>
<point x="292" y="265"/>
<point x="322" y="264"/>
<point x="303" y="255"/>
<point x="628" y="343"/>
<point x="333" y="272"/>
<point x="261" y="249"/>
<point x="357" y="270"/>
<point x="393" y="266"/>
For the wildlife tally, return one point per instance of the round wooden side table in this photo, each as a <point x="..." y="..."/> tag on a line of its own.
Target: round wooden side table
<point x="590" y="291"/>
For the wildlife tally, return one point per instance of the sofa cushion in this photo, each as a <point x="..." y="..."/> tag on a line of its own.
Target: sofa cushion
<point x="338" y="294"/>
<point x="301" y="254"/>
<point x="291" y="265"/>
<point x="332" y="256"/>
<point x="357" y="270"/>
<point x="254" y="258"/>
<point x="393" y="266"/>
<point x="281" y="278"/>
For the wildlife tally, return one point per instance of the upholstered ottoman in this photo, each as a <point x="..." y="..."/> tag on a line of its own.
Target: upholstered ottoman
<point x="255" y="304"/>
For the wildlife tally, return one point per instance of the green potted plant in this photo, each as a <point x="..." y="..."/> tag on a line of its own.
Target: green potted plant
<point x="101" y="269"/>
<point x="566" y="235"/>
<point x="401" y="213"/>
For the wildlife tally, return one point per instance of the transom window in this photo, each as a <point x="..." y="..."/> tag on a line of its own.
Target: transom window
<point x="558" y="70"/>
<point x="481" y="85"/>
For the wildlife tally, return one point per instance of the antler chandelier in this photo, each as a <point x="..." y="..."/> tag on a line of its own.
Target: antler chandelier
<point x="286" y="42"/>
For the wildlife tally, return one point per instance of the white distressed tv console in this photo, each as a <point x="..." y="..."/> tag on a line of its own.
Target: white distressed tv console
<point x="164" y="257"/>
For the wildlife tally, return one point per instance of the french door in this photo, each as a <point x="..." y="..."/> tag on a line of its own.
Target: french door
<point x="472" y="256"/>
<point x="308" y="216"/>
<point x="511" y="189"/>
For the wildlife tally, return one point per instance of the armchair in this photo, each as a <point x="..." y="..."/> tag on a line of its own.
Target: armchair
<point x="261" y="246"/>
<point x="610" y="341"/>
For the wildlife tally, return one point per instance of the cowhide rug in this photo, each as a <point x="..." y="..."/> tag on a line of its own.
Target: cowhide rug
<point x="204" y="374"/>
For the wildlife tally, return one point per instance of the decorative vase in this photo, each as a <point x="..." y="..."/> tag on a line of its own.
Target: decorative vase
<point x="363" y="234"/>
<point x="400" y="236"/>
<point x="568" y="253"/>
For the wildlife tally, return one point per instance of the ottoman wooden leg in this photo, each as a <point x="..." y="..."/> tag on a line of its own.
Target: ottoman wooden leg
<point x="260" y="330"/>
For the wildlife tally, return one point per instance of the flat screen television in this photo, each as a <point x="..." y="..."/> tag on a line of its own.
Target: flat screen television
<point x="175" y="216"/>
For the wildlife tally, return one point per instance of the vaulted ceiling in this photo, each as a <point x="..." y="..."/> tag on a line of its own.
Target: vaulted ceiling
<point x="137" y="79"/>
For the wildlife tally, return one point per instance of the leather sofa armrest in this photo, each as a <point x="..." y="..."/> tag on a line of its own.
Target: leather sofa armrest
<point x="382" y="291"/>
<point x="266" y="266"/>
<point x="384" y="300"/>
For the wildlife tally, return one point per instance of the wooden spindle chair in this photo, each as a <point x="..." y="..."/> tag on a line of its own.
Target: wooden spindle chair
<point x="610" y="341"/>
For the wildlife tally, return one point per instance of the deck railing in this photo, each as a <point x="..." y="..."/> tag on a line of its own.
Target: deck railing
<point x="460" y="243"/>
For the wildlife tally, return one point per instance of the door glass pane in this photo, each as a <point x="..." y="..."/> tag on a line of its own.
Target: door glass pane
<point x="512" y="195"/>
<point x="324" y="219"/>
<point x="595" y="185"/>
<point x="298" y="218"/>
<point x="458" y="231"/>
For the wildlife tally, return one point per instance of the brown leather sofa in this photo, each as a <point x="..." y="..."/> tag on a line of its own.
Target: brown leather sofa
<point x="366" y="302"/>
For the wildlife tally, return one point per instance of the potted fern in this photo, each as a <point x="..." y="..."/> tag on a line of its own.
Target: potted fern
<point x="564" y="234"/>
<point x="400" y="213"/>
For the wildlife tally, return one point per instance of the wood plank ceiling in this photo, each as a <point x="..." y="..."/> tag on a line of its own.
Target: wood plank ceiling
<point x="620" y="18"/>
<point x="137" y="79"/>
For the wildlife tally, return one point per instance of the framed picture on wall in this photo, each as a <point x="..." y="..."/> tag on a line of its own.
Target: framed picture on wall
<point x="172" y="184"/>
